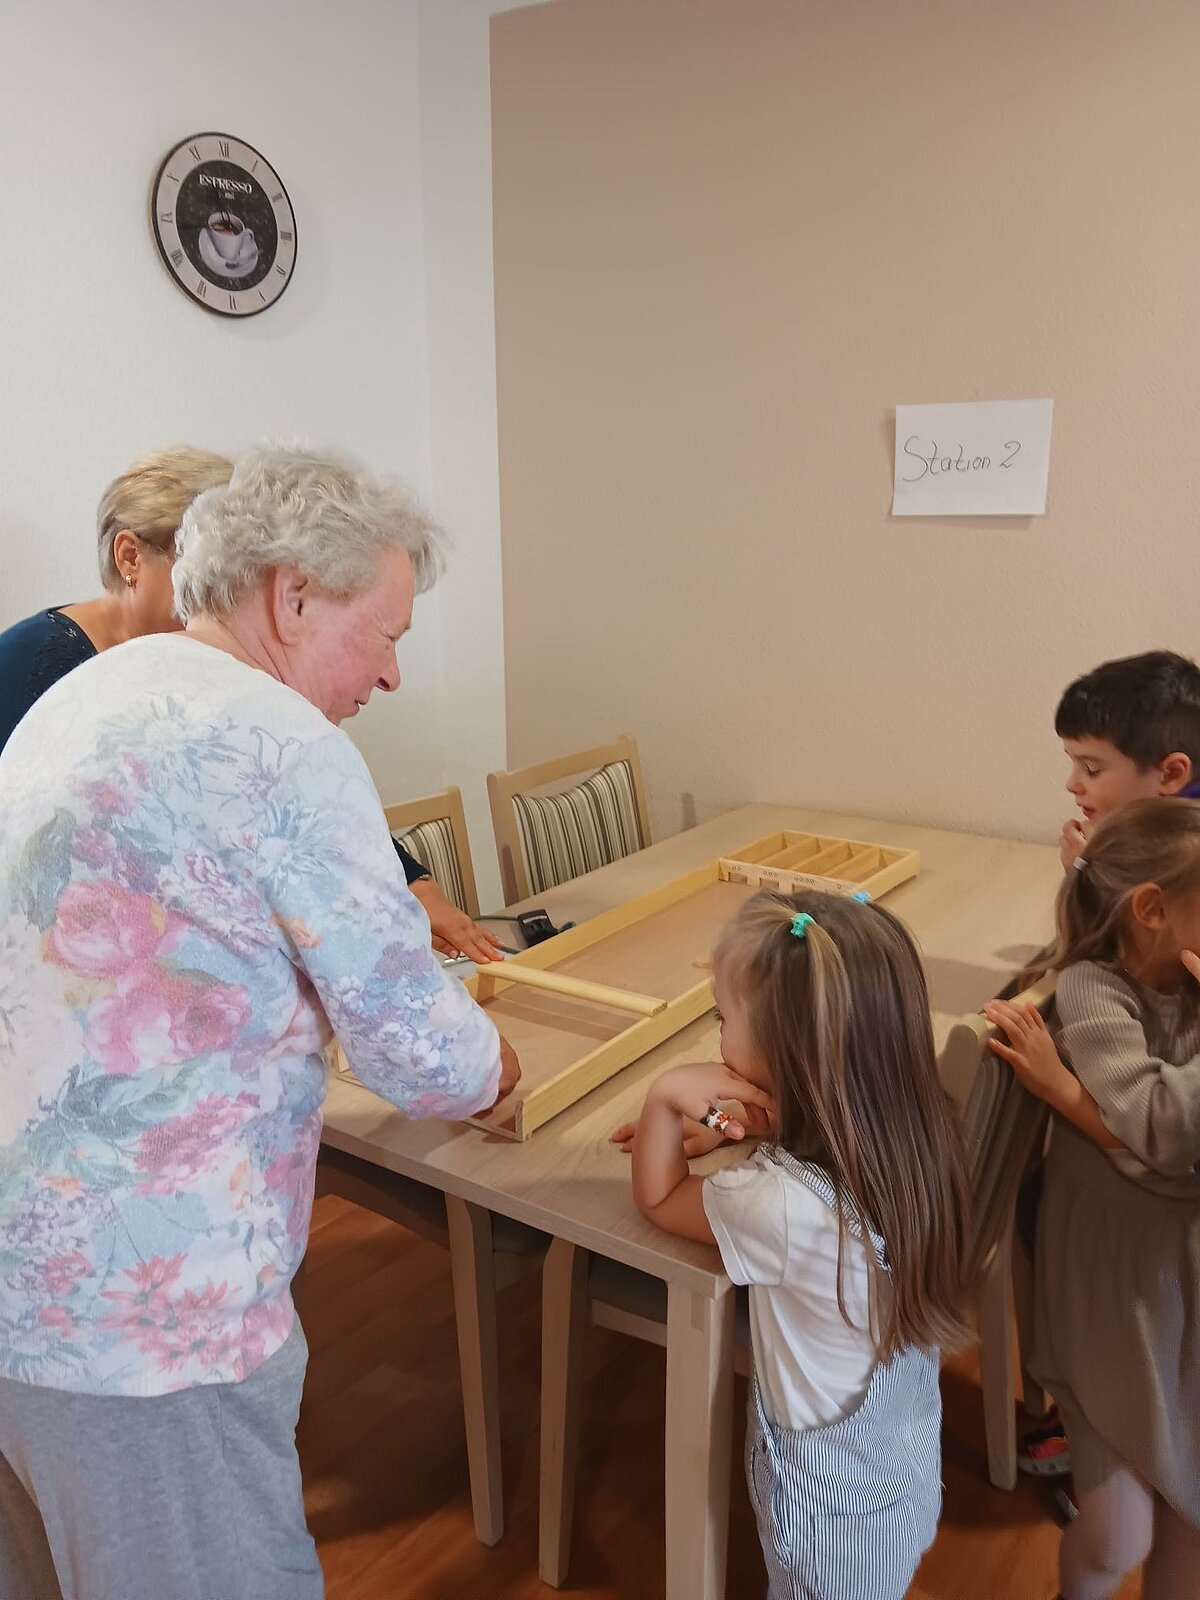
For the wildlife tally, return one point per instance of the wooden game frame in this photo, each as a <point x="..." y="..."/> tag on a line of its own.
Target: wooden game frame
<point x="786" y="861"/>
<point x="789" y="861"/>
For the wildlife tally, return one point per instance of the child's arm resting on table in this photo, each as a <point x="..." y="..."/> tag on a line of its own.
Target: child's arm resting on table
<point x="663" y="1188"/>
<point x="1033" y="1056"/>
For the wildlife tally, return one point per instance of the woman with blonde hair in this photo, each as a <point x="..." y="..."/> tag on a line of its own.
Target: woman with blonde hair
<point x="136" y="523"/>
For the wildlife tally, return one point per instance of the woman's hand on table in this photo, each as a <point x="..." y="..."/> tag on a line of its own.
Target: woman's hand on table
<point x="454" y="932"/>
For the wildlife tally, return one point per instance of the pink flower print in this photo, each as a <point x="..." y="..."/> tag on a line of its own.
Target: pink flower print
<point x="201" y="1329"/>
<point x="61" y="1273"/>
<point x="106" y="795"/>
<point x="157" y="1018"/>
<point x="308" y="1031"/>
<point x="57" y="1317"/>
<point x="178" y="1151"/>
<point x="69" y="1188"/>
<point x="136" y="870"/>
<point x="173" y="1329"/>
<point x="101" y="930"/>
<point x="147" y="1302"/>
<point x="266" y="1323"/>
<point x="210" y="1017"/>
<point x="291" y="1176"/>
<point x="137" y="769"/>
<point x="94" y="847"/>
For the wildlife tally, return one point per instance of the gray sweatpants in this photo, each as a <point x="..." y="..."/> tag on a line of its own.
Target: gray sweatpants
<point x="188" y="1496"/>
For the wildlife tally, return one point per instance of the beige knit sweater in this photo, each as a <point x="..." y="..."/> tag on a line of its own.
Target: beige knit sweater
<point x="1137" y="1053"/>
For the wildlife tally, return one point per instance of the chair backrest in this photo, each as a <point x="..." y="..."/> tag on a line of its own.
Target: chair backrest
<point x="1004" y="1124"/>
<point x="545" y="839"/>
<point x="434" y="830"/>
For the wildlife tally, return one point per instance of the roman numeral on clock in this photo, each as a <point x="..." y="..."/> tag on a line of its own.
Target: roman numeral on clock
<point x="224" y="144"/>
<point x="194" y="152"/>
<point x="285" y="235"/>
<point x="176" y="257"/>
<point x="233" y="302"/>
<point x="201" y="288"/>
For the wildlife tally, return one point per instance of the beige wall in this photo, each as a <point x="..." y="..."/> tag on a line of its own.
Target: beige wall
<point x="729" y="238"/>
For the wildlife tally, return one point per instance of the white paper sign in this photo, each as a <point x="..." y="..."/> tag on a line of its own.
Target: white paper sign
<point x="981" y="458"/>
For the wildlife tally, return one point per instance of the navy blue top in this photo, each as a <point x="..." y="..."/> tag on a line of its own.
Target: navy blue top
<point x="33" y="655"/>
<point x="44" y="648"/>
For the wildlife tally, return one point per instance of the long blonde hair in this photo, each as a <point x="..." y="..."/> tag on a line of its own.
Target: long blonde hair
<point x="840" y="1017"/>
<point x="1148" y="841"/>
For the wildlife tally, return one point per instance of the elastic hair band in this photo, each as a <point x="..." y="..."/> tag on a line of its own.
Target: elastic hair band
<point x="863" y="896"/>
<point x="1079" y="863"/>
<point x="801" y="923"/>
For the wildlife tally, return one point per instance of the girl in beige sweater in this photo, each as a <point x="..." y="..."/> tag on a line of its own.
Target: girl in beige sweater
<point x="1118" y="1247"/>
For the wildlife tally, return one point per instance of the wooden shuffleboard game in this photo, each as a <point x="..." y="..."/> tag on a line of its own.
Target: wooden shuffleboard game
<point x="582" y="1006"/>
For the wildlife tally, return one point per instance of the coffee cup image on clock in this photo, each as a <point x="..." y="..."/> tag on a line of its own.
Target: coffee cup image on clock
<point x="227" y="239"/>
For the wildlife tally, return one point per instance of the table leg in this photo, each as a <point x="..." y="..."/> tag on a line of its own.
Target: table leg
<point x="564" y="1342"/>
<point x="472" y="1270"/>
<point x="699" y="1441"/>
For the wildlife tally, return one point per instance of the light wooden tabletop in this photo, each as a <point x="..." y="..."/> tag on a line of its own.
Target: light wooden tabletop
<point x="979" y="908"/>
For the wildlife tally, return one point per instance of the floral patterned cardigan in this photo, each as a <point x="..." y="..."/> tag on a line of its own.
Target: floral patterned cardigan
<point x="196" y="883"/>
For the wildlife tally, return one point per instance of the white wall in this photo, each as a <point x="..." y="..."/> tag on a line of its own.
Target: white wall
<point x="102" y="357"/>
<point x="453" y="38"/>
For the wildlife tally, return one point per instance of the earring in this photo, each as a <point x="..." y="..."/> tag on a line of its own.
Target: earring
<point x="131" y="580"/>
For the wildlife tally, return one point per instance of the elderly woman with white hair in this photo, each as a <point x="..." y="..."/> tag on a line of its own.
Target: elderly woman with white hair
<point x="137" y="523"/>
<point x="196" y="883"/>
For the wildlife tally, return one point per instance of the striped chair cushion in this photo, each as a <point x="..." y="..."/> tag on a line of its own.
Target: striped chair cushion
<point x="564" y="835"/>
<point x="432" y="843"/>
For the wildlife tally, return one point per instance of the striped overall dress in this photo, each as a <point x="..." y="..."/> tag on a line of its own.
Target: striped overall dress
<point x="846" y="1511"/>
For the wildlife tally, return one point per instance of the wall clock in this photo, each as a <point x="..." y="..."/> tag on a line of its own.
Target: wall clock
<point x="224" y="225"/>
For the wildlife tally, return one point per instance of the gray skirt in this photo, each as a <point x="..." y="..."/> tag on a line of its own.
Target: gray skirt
<point x="1118" y="1322"/>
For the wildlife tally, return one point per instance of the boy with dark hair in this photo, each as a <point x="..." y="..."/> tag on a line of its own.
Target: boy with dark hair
<point x="1131" y="730"/>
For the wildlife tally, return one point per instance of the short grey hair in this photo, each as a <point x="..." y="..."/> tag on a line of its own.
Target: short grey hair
<point x="322" y="513"/>
<point x="150" y="498"/>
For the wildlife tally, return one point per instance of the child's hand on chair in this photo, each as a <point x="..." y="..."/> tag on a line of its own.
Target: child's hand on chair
<point x="1030" y="1051"/>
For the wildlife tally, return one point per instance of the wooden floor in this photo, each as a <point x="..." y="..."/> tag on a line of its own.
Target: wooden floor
<point x="385" y="1466"/>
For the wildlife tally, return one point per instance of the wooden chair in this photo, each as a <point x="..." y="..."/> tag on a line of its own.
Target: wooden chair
<point x="581" y="1290"/>
<point x="434" y="830"/>
<point x="487" y="1253"/>
<point x="1005" y="1129"/>
<point x="545" y="839"/>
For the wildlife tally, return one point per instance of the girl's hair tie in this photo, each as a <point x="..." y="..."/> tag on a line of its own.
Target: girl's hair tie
<point x="801" y="923"/>
<point x="1079" y="863"/>
<point x="863" y="896"/>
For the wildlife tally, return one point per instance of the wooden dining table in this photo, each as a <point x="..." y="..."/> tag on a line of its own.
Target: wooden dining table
<point x="979" y="907"/>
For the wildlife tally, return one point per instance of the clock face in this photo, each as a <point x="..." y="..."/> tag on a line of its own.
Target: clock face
<point x="224" y="224"/>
